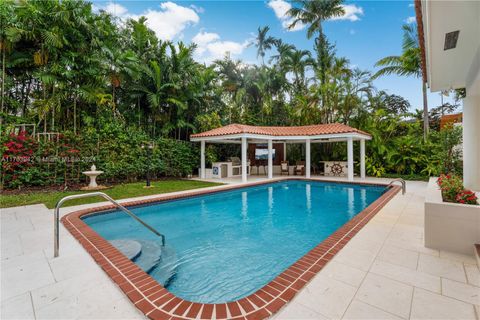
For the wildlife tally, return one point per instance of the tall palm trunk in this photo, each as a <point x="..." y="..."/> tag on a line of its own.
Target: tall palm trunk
<point x="425" y="111"/>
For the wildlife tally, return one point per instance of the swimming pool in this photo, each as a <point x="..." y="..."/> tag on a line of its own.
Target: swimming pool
<point x="230" y="244"/>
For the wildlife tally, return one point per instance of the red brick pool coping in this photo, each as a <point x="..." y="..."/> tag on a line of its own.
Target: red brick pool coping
<point x="156" y="302"/>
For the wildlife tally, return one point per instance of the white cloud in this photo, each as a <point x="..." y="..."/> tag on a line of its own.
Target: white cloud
<point x="411" y="5"/>
<point x="411" y="20"/>
<point x="352" y="13"/>
<point x="197" y="8"/>
<point x="280" y="8"/>
<point x="167" y="23"/>
<point x="202" y="39"/>
<point x="171" y="20"/>
<point x="210" y="47"/>
<point x="115" y="9"/>
<point x="352" y="31"/>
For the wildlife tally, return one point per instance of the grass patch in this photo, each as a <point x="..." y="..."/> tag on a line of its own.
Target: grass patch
<point x="120" y="191"/>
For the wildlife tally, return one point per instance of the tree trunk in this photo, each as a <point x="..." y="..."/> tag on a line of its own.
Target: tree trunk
<point x="425" y="112"/>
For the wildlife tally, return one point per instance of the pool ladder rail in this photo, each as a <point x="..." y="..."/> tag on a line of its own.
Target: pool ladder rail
<point x="404" y="184"/>
<point x="94" y="194"/>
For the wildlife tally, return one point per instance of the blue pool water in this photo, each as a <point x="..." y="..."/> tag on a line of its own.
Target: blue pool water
<point x="232" y="243"/>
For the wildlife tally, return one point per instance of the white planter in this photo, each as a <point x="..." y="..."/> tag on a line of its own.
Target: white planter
<point x="452" y="227"/>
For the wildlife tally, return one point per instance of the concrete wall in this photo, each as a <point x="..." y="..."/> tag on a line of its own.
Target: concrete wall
<point x="450" y="226"/>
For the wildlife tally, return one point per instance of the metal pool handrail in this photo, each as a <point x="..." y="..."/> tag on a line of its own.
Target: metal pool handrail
<point x="93" y="194"/>
<point x="404" y="184"/>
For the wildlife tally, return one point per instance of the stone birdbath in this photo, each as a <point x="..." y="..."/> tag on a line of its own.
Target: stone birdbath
<point x="92" y="175"/>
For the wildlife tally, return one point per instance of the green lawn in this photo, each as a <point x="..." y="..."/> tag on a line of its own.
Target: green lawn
<point x="120" y="191"/>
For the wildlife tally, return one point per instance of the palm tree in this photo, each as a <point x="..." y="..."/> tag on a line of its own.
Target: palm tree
<point x="296" y="61"/>
<point x="407" y="64"/>
<point x="264" y="42"/>
<point x="314" y="13"/>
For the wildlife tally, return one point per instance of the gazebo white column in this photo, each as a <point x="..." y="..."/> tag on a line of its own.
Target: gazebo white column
<point x="244" y="159"/>
<point x="307" y="158"/>
<point x="202" y="159"/>
<point x="350" y="158"/>
<point x="362" y="158"/>
<point x="270" y="159"/>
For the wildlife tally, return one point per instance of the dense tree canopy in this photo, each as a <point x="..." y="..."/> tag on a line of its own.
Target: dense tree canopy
<point x="68" y="69"/>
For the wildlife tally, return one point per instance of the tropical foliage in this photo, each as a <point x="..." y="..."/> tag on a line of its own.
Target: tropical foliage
<point x="91" y="83"/>
<point x="453" y="190"/>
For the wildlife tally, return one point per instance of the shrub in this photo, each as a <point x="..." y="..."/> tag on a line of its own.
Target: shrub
<point x="114" y="148"/>
<point x="466" y="197"/>
<point x="454" y="191"/>
<point x="450" y="185"/>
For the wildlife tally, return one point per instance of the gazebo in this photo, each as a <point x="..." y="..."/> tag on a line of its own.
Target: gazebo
<point x="320" y="133"/>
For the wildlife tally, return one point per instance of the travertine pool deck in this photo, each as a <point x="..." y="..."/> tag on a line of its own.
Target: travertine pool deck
<point x="384" y="272"/>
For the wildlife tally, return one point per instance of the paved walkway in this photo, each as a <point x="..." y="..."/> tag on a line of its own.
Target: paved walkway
<point x="385" y="272"/>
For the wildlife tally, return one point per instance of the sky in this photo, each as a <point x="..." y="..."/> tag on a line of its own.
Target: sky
<point x="369" y="31"/>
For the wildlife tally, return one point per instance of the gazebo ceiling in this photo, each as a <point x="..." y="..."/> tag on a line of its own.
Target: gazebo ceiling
<point x="294" y="131"/>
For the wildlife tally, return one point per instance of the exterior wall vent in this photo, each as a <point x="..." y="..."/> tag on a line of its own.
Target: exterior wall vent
<point x="451" y="39"/>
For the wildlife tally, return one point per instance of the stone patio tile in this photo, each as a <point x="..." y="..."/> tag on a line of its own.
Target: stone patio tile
<point x="428" y="305"/>
<point x="407" y="276"/>
<point x="65" y="289"/>
<point x="372" y="235"/>
<point x="461" y="291"/>
<point x="361" y="310"/>
<point x="326" y="296"/>
<point x="358" y="258"/>
<point x="344" y="273"/>
<point x="399" y="256"/>
<point x="38" y="240"/>
<point x="406" y="233"/>
<point x="411" y="219"/>
<point x="444" y="268"/>
<point x="297" y="311"/>
<point x="16" y="226"/>
<point x="413" y="245"/>
<point x="68" y="266"/>
<point x="120" y="309"/>
<point x="21" y="260"/>
<point x="10" y="247"/>
<point x="24" y="277"/>
<point x="19" y="307"/>
<point x="470" y="259"/>
<point x="386" y="294"/>
<point x="473" y="274"/>
<point x="83" y="304"/>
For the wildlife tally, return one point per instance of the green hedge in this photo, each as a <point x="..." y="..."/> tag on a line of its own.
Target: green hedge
<point x="114" y="149"/>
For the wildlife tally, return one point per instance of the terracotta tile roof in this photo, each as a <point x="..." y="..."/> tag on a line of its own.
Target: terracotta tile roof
<point x="311" y="130"/>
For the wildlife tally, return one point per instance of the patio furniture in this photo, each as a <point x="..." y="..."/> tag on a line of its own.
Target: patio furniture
<point x="284" y="167"/>
<point x="263" y="164"/>
<point x="299" y="168"/>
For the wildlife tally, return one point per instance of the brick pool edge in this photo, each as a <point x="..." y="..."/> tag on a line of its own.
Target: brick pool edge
<point x="156" y="302"/>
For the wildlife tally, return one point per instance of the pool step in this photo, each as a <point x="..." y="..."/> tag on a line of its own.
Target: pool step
<point x="166" y="269"/>
<point x="150" y="256"/>
<point x="130" y="248"/>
